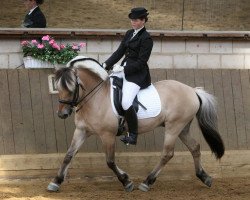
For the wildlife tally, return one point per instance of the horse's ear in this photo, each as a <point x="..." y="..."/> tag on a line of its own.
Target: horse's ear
<point x="79" y="81"/>
<point x="57" y="67"/>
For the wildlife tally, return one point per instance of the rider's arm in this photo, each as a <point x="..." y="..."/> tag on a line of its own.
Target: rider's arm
<point x="117" y="55"/>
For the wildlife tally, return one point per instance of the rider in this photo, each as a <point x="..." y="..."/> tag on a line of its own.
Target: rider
<point x="136" y="45"/>
<point x="34" y="18"/>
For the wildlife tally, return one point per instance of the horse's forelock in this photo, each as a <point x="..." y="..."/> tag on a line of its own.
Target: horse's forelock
<point x="65" y="79"/>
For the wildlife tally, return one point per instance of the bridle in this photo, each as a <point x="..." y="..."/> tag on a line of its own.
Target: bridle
<point x="76" y="100"/>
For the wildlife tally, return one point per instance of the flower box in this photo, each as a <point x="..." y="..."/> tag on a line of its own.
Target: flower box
<point x="30" y="62"/>
<point x="47" y="53"/>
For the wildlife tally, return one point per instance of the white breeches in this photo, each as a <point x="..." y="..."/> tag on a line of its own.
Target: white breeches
<point x="129" y="91"/>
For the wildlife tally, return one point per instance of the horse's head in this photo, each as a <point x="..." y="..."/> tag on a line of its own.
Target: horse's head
<point x="67" y="86"/>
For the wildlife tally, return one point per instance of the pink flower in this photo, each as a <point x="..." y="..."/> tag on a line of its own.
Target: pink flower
<point x="75" y="47"/>
<point x="24" y="43"/>
<point x="56" y="46"/>
<point x="34" y="42"/>
<point x="62" y="46"/>
<point x="82" y="44"/>
<point x="40" y="46"/>
<point x="52" y="41"/>
<point x="46" y="38"/>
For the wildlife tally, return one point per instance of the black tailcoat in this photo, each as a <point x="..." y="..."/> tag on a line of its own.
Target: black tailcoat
<point x="137" y="52"/>
<point x="35" y="20"/>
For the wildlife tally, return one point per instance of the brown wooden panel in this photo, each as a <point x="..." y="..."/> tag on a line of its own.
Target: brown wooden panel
<point x="16" y="111"/>
<point x="29" y="118"/>
<point x="229" y="108"/>
<point x="170" y="74"/>
<point x="159" y="134"/>
<point x="48" y="112"/>
<point x="208" y="81"/>
<point x="61" y="138"/>
<point x="218" y="92"/>
<point x="99" y="144"/>
<point x="91" y="143"/>
<point x="238" y="107"/>
<point x="35" y="87"/>
<point x="245" y="84"/>
<point x="6" y="118"/>
<point x="27" y="114"/>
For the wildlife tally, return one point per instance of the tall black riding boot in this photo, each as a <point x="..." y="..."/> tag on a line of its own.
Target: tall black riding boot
<point x="131" y="118"/>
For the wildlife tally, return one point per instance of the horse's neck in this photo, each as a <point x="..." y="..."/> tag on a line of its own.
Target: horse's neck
<point x="100" y="95"/>
<point x="89" y="79"/>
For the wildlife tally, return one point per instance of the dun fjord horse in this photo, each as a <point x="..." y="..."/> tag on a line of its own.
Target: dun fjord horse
<point x="85" y="85"/>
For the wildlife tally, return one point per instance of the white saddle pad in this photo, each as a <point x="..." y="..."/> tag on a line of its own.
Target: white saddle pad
<point x="148" y="97"/>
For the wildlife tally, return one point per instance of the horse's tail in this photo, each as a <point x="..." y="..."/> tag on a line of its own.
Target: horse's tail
<point x="207" y="119"/>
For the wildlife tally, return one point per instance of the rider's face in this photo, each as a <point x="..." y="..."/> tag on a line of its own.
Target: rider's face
<point x="29" y="4"/>
<point x="137" y="23"/>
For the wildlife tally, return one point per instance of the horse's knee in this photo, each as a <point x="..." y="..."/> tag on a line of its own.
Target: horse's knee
<point x="67" y="159"/>
<point x="167" y="156"/>
<point x="196" y="150"/>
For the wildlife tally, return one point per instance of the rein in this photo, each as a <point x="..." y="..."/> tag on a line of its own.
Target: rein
<point x="89" y="94"/>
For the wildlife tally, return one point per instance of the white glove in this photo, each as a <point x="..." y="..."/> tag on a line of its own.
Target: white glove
<point x="118" y="68"/>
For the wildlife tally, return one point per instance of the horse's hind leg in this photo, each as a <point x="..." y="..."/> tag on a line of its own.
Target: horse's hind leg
<point x="171" y="134"/>
<point x="108" y="140"/>
<point x="194" y="148"/>
<point x="78" y="139"/>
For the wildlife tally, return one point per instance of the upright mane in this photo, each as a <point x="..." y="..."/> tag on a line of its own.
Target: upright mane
<point x="65" y="77"/>
<point x="94" y="67"/>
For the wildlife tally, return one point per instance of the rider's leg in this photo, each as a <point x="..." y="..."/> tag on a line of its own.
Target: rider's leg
<point x="130" y="90"/>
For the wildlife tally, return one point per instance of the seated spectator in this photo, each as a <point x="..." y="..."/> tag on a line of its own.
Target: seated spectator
<point x="34" y="18"/>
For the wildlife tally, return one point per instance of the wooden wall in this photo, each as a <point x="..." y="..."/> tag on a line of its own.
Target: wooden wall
<point x="29" y="123"/>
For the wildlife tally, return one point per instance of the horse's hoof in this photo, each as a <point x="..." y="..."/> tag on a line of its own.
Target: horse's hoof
<point x="143" y="187"/>
<point x="52" y="187"/>
<point x="208" y="181"/>
<point x="129" y="187"/>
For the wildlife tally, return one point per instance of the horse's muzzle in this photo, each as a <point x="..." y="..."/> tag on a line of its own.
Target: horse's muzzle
<point x="64" y="113"/>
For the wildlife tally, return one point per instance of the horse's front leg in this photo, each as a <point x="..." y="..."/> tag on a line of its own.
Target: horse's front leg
<point x="108" y="141"/>
<point x="78" y="139"/>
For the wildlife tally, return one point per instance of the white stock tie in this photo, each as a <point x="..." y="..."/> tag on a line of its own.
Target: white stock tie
<point x="133" y="35"/>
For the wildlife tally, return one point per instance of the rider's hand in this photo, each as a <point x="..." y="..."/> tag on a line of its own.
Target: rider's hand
<point x="104" y="66"/>
<point x="118" y="68"/>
